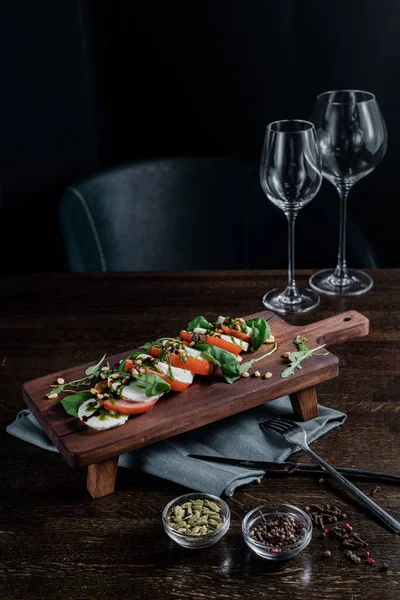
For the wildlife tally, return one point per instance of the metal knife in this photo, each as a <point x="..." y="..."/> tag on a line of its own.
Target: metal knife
<point x="293" y="468"/>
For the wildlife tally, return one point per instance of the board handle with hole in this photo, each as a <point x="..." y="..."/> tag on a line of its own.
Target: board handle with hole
<point x="346" y="326"/>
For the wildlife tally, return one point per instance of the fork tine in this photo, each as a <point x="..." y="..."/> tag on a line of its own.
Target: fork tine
<point x="278" y="423"/>
<point x="271" y="427"/>
<point x="283" y="422"/>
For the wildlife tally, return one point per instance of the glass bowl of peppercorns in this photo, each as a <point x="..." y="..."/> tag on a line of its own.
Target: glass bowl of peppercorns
<point x="277" y="531"/>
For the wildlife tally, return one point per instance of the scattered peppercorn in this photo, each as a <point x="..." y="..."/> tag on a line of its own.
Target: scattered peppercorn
<point x="367" y="554"/>
<point x="370" y="561"/>
<point x="327" y="553"/>
<point x="376" y="490"/>
<point x="320" y="480"/>
<point x="384" y="568"/>
<point x="277" y="531"/>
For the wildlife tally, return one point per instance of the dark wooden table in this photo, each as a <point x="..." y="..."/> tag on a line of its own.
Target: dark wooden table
<point x="56" y="542"/>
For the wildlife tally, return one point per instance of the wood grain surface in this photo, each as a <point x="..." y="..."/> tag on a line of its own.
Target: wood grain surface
<point x="56" y="542"/>
<point x="206" y="401"/>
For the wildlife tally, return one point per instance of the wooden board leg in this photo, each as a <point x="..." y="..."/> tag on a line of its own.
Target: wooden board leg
<point x="101" y="477"/>
<point x="304" y="403"/>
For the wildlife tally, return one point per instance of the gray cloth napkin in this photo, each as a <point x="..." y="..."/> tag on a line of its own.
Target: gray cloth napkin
<point x="238" y="437"/>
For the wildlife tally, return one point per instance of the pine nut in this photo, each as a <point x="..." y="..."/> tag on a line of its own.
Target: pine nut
<point x="60" y="381"/>
<point x="267" y="375"/>
<point x="241" y="320"/>
<point x="257" y="374"/>
<point x="99" y="396"/>
<point x="104" y="368"/>
<point x="270" y="339"/>
<point x="94" y="391"/>
<point x="286" y="355"/>
<point x="237" y="327"/>
<point x="52" y="396"/>
<point x="239" y="358"/>
<point x="245" y="374"/>
<point x="115" y="376"/>
<point x="103" y="376"/>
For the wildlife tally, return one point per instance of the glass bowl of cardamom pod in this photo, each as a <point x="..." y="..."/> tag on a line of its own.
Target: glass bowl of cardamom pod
<point x="196" y="520"/>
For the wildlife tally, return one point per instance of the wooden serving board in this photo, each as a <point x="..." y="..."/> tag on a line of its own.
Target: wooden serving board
<point x="207" y="400"/>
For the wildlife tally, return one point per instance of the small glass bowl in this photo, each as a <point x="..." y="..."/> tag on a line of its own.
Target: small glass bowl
<point x="276" y="553"/>
<point x="191" y="541"/>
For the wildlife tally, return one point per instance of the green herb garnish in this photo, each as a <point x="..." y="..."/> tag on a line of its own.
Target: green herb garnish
<point x="297" y="357"/>
<point x="200" y="322"/>
<point x="72" y="403"/>
<point x="247" y="365"/>
<point x="261" y="331"/>
<point x="225" y="360"/>
<point x="153" y="383"/>
<point x="91" y="373"/>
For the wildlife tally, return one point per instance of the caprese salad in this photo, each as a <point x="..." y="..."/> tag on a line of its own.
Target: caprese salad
<point x="167" y="364"/>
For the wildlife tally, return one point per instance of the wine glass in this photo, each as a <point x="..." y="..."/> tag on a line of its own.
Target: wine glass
<point x="352" y="140"/>
<point x="290" y="176"/>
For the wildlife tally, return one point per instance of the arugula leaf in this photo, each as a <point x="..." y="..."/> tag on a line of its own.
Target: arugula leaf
<point x="154" y="384"/>
<point x="199" y="322"/>
<point x="297" y="357"/>
<point x="226" y="360"/>
<point x="72" y="403"/>
<point x="247" y="365"/>
<point x="94" y="368"/>
<point x="261" y="331"/>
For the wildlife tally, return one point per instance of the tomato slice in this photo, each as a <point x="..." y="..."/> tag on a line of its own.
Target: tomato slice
<point x="129" y="364"/>
<point x="212" y="340"/>
<point x="238" y="334"/>
<point x="101" y="386"/>
<point x="176" y="386"/>
<point x="127" y="407"/>
<point x="197" y="366"/>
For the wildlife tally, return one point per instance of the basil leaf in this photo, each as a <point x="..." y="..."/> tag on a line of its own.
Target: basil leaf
<point x="225" y="360"/>
<point x="147" y="346"/>
<point x="154" y="384"/>
<point x="72" y="403"/>
<point x="261" y="331"/>
<point x="199" y="322"/>
<point x="92" y="370"/>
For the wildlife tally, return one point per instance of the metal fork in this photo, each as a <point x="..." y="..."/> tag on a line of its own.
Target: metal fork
<point x="295" y="434"/>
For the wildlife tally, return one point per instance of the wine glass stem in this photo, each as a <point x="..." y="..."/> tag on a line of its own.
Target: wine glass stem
<point x="341" y="271"/>
<point x="291" y="289"/>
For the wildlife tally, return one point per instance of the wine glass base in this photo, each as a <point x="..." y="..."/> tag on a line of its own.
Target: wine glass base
<point x="325" y="282"/>
<point x="280" y="303"/>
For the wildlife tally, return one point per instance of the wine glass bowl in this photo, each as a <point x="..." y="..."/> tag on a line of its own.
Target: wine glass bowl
<point x="352" y="139"/>
<point x="351" y="134"/>
<point x="290" y="176"/>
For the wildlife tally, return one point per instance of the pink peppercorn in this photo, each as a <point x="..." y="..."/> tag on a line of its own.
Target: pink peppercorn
<point x="346" y="526"/>
<point x="370" y="561"/>
<point x="326" y="530"/>
<point x="367" y="554"/>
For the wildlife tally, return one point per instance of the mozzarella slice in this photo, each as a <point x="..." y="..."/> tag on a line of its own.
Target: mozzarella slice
<point x="181" y="375"/>
<point x="235" y="340"/>
<point x="248" y="330"/>
<point x="194" y="353"/>
<point x="200" y="330"/>
<point x="136" y="393"/>
<point x="97" y="422"/>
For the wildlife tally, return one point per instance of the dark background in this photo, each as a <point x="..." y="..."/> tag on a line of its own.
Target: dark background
<point x="87" y="84"/>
